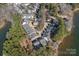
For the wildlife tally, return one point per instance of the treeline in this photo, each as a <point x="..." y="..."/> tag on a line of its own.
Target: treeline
<point x="15" y="34"/>
<point x="53" y="8"/>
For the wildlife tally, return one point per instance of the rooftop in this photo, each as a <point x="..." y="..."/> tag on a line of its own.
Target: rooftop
<point x="44" y="34"/>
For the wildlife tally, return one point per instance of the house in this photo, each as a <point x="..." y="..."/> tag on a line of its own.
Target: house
<point x="31" y="33"/>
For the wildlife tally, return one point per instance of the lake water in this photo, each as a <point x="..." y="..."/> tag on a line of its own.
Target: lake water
<point x="70" y="45"/>
<point x="3" y="32"/>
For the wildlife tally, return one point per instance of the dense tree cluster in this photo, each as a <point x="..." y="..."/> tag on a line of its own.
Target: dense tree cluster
<point x="16" y="33"/>
<point x="12" y="46"/>
<point x="53" y="9"/>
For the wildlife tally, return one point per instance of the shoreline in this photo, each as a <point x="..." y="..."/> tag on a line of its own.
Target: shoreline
<point x="2" y="24"/>
<point x="65" y="36"/>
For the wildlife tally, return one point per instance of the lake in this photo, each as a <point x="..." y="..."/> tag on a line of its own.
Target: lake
<point x="3" y="32"/>
<point x="70" y="44"/>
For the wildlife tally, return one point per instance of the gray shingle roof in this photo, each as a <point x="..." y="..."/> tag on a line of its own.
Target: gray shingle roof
<point x="29" y="30"/>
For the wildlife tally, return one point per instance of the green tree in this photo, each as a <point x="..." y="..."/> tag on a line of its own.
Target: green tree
<point x="15" y="34"/>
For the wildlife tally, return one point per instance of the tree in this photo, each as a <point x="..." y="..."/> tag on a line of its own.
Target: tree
<point x="53" y="9"/>
<point x="16" y="33"/>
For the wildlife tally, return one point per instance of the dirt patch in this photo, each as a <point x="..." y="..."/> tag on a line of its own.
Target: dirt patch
<point x="2" y="23"/>
<point x="26" y="44"/>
